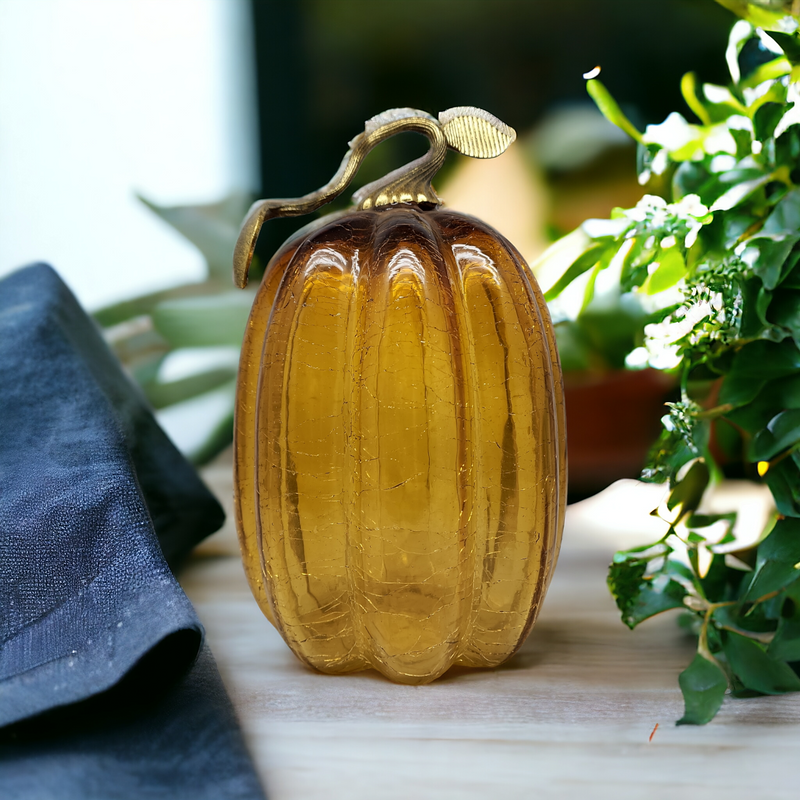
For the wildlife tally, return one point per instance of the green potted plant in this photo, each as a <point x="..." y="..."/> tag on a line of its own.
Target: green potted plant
<point x="593" y="344"/>
<point x="712" y="254"/>
<point x="204" y="322"/>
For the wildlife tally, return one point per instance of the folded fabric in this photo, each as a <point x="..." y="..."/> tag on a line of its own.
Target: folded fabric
<point x="86" y="596"/>
<point x="183" y="744"/>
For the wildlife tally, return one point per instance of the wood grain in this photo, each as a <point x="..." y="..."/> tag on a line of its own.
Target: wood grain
<point x="569" y="716"/>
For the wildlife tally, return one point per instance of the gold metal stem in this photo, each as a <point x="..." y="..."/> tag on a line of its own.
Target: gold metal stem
<point x="470" y="131"/>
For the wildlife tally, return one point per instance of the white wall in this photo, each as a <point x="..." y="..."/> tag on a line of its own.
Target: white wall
<point x="103" y="98"/>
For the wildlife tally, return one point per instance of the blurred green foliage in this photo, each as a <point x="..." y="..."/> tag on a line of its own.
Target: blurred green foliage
<point x="199" y="317"/>
<point x="713" y="256"/>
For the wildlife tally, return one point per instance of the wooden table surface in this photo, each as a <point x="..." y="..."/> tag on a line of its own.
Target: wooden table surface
<point x="569" y="717"/>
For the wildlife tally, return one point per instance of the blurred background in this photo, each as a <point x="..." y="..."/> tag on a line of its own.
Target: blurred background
<point x="188" y="103"/>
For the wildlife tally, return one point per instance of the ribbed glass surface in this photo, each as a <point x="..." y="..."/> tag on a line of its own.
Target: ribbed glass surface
<point x="400" y="466"/>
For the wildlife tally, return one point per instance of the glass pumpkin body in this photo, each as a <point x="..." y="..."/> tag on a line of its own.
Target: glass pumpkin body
<point x="400" y="463"/>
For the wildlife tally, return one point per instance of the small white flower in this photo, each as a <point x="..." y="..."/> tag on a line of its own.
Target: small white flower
<point x="751" y="95"/>
<point x="787" y="24"/>
<point x="672" y="134"/>
<point x="638" y="358"/>
<point x="690" y="204"/>
<point x="666" y="358"/>
<point x="719" y="140"/>
<point x="739" y="122"/>
<point x="722" y="163"/>
<point x="792" y="116"/>
<point x="691" y="237"/>
<point x="717" y="94"/>
<point x="660" y="162"/>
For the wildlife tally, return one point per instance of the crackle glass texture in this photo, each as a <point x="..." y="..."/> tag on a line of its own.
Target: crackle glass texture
<point x="400" y="460"/>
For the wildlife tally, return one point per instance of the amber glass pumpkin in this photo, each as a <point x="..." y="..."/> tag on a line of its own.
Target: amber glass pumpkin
<point x="399" y="439"/>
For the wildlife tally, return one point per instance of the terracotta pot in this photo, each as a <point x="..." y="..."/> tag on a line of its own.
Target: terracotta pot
<point x="613" y="419"/>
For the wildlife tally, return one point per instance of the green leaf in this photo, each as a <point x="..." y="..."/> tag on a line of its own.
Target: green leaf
<point x="767" y="117"/>
<point x="782" y="431"/>
<point x="790" y="45"/>
<point x="763" y="360"/>
<point x="624" y="579"/>
<point x="703" y="685"/>
<point x="775" y="94"/>
<point x="670" y="270"/>
<point x="753" y="621"/>
<point x="755" y="669"/>
<point x="783" y="479"/>
<point x="744" y="141"/>
<point x="768" y="255"/>
<point x="689" y="491"/>
<point x="212" y="228"/>
<point x="574" y="351"/>
<point x="634" y="263"/>
<point x="719" y="576"/>
<point x="752" y="307"/>
<point x="784" y="220"/>
<point x="791" y="271"/>
<point x="651" y="601"/>
<point x="679" y="570"/>
<point x="144" y="304"/>
<point x="706" y="520"/>
<point x="769" y="71"/>
<point x="689" y="92"/>
<point x="792" y="592"/>
<point x="598" y="229"/>
<point x="781" y="546"/>
<point x="787" y="145"/>
<point x="785" y="311"/>
<point x="766" y="14"/>
<point x="734" y="227"/>
<point x="583" y="263"/>
<point x="776" y="395"/>
<point x="648" y="164"/>
<point x="738" y="37"/>
<point x="763" y="302"/>
<point x="204" y="321"/>
<point x="588" y="292"/>
<point x="738" y="390"/>
<point x="785" y="645"/>
<point x="560" y="255"/>
<point x="738" y="193"/>
<point x="610" y="329"/>
<point x="610" y="109"/>
<point x="211" y="415"/>
<point x="692" y="177"/>
<point x="217" y="439"/>
<point x="146" y="371"/>
<point x="165" y="394"/>
<point x="786" y="392"/>
<point x="669" y="453"/>
<point x="682" y="140"/>
<point x="770" y="577"/>
<point x="722" y="103"/>
<point x="139" y="345"/>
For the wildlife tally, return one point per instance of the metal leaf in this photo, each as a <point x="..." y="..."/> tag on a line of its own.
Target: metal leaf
<point x="474" y="132"/>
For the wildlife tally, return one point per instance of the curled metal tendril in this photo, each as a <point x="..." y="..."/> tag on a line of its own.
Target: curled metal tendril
<point x="467" y="130"/>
